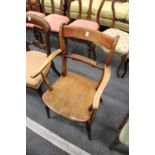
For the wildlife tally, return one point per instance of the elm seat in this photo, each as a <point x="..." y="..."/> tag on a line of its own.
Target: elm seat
<point x="85" y="24"/>
<point x="34" y="59"/>
<point x="29" y="25"/>
<point x="55" y="21"/>
<point x="71" y="97"/>
<point x="122" y="47"/>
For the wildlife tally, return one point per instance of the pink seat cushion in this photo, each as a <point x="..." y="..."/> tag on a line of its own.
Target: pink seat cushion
<point x="36" y="13"/>
<point x="29" y="25"/>
<point x="55" y="21"/>
<point x="85" y="24"/>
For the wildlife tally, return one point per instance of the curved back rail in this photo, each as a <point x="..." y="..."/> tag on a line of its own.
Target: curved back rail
<point x="89" y="35"/>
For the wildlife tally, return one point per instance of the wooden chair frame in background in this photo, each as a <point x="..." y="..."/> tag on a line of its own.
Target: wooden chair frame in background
<point x="91" y="46"/>
<point x="52" y="7"/>
<point x="36" y="7"/>
<point x="124" y="59"/>
<point x="122" y="124"/>
<point x="41" y="24"/>
<point x="93" y="36"/>
<point x="61" y="12"/>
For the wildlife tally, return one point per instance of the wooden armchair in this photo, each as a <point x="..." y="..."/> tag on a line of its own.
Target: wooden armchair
<point x="35" y="58"/>
<point x="74" y="96"/>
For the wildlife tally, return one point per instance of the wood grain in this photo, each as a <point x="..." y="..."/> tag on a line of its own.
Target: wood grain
<point x="71" y="97"/>
<point x="89" y="35"/>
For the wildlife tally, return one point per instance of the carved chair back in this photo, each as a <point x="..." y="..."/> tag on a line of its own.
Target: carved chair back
<point x="89" y="13"/>
<point x="52" y="3"/>
<point x="112" y="9"/>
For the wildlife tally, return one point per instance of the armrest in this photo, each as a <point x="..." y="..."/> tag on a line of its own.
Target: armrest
<point x="46" y="62"/>
<point x="104" y="82"/>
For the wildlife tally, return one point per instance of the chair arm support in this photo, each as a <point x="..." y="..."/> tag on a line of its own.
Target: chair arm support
<point x="46" y="62"/>
<point x="104" y="82"/>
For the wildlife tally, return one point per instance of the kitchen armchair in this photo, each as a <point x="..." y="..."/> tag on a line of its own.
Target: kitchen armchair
<point x="73" y="96"/>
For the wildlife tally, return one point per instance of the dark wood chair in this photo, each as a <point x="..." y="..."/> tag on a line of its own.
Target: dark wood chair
<point x="73" y="96"/>
<point x="122" y="135"/>
<point x="125" y="66"/>
<point x="85" y="22"/>
<point x="35" y="58"/>
<point x="33" y="7"/>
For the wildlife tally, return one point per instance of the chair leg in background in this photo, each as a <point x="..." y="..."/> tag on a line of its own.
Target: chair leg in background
<point x="101" y="100"/>
<point x="47" y="111"/>
<point x="88" y="129"/>
<point x="91" y="49"/>
<point x="38" y="35"/>
<point x="125" y="67"/>
<point x="27" y="47"/>
<point x="123" y="58"/>
<point x="114" y="144"/>
<point x="39" y="91"/>
<point x="94" y="52"/>
<point x="55" y="69"/>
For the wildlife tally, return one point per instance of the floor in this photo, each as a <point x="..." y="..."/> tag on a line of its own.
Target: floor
<point x="68" y="135"/>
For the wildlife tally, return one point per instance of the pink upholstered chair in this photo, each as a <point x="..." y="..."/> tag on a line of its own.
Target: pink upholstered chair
<point x="54" y="19"/>
<point x="84" y="22"/>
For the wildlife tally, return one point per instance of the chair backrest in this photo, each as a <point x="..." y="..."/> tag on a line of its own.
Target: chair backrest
<point x="52" y="3"/>
<point x="33" y="5"/>
<point x="112" y="9"/>
<point x="96" y="37"/>
<point x="89" y="13"/>
<point x="40" y="23"/>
